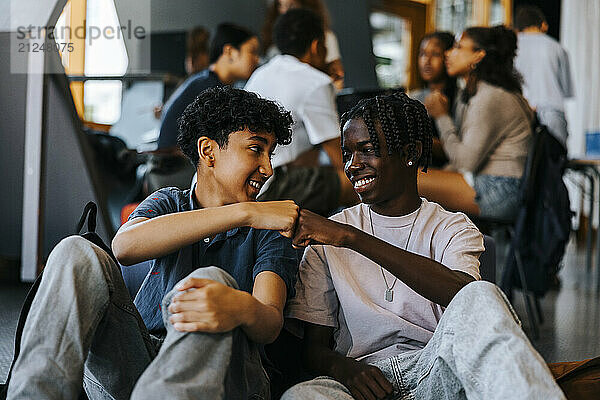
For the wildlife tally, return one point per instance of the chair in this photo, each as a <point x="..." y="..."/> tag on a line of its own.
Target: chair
<point x="539" y="233"/>
<point x="487" y="260"/>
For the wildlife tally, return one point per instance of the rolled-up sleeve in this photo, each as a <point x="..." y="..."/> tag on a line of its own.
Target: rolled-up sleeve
<point x="463" y="250"/>
<point x="316" y="300"/>
<point x="319" y="115"/>
<point x="275" y="253"/>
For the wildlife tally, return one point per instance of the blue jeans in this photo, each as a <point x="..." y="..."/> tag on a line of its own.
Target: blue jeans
<point x="498" y="197"/>
<point x="84" y="328"/>
<point x="478" y="351"/>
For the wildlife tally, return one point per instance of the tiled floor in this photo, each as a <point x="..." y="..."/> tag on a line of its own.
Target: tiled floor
<point x="571" y="330"/>
<point x="11" y="298"/>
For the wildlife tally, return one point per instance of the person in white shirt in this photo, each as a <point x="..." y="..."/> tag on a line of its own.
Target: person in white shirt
<point x="388" y="290"/>
<point x="333" y="60"/>
<point x="544" y="65"/>
<point x="295" y="80"/>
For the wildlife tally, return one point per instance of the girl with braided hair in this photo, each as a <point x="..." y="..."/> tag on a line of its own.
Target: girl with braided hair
<point x="488" y="146"/>
<point x="388" y="290"/>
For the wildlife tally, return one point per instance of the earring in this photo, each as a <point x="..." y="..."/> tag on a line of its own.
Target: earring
<point x="473" y="66"/>
<point x="410" y="163"/>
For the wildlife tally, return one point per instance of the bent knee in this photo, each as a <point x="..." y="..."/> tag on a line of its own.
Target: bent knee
<point x="214" y="274"/>
<point x="319" y="388"/>
<point x="479" y="287"/>
<point x="74" y="243"/>
<point x="479" y="294"/>
<point x="77" y="254"/>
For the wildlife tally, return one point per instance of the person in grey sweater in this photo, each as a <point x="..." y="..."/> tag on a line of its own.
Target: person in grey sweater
<point x="488" y="142"/>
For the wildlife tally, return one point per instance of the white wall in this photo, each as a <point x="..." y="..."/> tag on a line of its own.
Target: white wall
<point x="580" y="36"/>
<point x="15" y="13"/>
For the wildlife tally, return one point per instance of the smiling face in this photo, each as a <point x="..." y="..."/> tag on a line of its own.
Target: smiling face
<point x="463" y="56"/>
<point x="378" y="180"/>
<point x="431" y="61"/>
<point x="242" y="167"/>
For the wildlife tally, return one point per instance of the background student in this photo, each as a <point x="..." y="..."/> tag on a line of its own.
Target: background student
<point x="544" y="65"/>
<point x="333" y="59"/>
<point x="432" y="69"/>
<point x="488" y="142"/>
<point x="294" y="79"/>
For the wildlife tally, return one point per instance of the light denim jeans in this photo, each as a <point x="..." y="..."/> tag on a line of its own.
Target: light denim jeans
<point x="478" y="351"/>
<point x="498" y="197"/>
<point x="84" y="328"/>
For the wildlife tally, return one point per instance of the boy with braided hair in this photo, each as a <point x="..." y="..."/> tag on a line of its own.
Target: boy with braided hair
<point x="388" y="290"/>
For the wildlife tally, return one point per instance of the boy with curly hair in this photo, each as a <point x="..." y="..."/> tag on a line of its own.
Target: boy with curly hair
<point x="222" y="269"/>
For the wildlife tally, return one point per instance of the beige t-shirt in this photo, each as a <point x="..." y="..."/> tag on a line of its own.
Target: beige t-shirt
<point x="341" y="288"/>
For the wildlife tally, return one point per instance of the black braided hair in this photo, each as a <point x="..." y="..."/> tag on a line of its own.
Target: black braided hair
<point x="403" y="121"/>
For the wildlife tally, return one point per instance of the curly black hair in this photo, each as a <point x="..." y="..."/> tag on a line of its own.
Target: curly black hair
<point x="219" y="111"/>
<point x="403" y="121"/>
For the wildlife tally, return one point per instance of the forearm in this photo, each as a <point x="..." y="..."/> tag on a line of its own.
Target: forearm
<point x="261" y="322"/>
<point x="425" y="276"/>
<point x="162" y="235"/>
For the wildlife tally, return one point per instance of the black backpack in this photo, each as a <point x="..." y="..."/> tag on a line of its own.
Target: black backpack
<point x="543" y="223"/>
<point x="89" y="213"/>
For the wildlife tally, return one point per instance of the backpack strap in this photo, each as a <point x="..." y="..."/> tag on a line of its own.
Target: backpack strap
<point x="89" y="212"/>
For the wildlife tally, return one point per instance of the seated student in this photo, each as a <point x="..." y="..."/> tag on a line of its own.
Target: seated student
<point x="432" y="69"/>
<point x="333" y="61"/>
<point x="220" y="277"/>
<point x="387" y="289"/>
<point x="196" y="59"/>
<point x="488" y="142"/>
<point x="233" y="57"/>
<point x="294" y="79"/>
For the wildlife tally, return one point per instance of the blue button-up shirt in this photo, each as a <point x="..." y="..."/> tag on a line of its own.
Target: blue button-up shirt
<point x="242" y="252"/>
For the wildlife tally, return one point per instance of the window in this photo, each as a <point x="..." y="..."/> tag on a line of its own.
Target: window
<point x="104" y="56"/>
<point x="454" y="15"/>
<point x="391" y="47"/>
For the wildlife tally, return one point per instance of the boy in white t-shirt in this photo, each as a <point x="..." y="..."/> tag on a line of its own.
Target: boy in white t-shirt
<point x="387" y="289"/>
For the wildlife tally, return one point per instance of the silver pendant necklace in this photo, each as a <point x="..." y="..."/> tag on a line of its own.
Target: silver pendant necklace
<point x="389" y="290"/>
